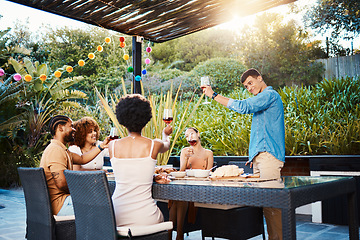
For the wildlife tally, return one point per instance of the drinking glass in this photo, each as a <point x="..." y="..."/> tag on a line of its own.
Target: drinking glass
<point x="191" y="140"/>
<point x="114" y="133"/>
<point x="168" y="116"/>
<point x="205" y="80"/>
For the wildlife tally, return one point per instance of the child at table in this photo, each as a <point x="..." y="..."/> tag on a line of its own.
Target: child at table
<point x="193" y="157"/>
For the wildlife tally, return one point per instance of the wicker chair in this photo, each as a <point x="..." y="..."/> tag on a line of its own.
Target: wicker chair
<point x="235" y="223"/>
<point x="95" y="218"/>
<point x="41" y="223"/>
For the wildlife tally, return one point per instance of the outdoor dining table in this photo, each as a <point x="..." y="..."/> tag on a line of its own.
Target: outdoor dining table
<point x="286" y="194"/>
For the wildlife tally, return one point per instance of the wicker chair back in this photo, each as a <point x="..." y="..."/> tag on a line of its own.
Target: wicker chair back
<point x="94" y="213"/>
<point x="39" y="218"/>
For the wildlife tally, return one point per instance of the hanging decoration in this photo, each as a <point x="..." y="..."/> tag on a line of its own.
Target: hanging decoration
<point x="81" y="63"/>
<point x="17" y="77"/>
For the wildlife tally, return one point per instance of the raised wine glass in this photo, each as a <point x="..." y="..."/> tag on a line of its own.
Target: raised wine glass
<point x="168" y="116"/>
<point x="191" y="140"/>
<point x="114" y="133"/>
<point x="205" y="80"/>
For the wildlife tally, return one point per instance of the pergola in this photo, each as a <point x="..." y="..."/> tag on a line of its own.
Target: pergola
<point x="153" y="20"/>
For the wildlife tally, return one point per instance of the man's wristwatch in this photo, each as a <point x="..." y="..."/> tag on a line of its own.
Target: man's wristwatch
<point x="214" y="95"/>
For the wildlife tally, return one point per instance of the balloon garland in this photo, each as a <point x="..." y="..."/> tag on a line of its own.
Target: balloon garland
<point x="100" y="48"/>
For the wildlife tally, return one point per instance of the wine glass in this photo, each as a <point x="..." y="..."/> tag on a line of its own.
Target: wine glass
<point x="205" y="81"/>
<point x="114" y="133"/>
<point x="191" y="140"/>
<point x="168" y="116"/>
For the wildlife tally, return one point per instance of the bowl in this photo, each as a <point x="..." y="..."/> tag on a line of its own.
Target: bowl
<point x="178" y="174"/>
<point x="190" y="172"/>
<point x="199" y="173"/>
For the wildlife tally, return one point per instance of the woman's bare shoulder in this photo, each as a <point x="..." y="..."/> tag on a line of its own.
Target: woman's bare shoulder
<point x="208" y="152"/>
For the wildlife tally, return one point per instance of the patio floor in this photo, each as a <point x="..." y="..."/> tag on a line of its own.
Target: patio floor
<point x="13" y="215"/>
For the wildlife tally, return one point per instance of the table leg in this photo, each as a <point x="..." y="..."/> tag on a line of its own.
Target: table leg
<point x="288" y="223"/>
<point x="353" y="216"/>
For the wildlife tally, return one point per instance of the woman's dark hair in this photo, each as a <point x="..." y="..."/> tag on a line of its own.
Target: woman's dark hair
<point x="193" y="128"/>
<point x="57" y="120"/>
<point x="250" y="72"/>
<point x="83" y="127"/>
<point x="134" y="112"/>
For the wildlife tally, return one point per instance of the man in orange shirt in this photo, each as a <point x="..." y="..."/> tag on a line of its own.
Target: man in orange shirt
<point x="56" y="158"/>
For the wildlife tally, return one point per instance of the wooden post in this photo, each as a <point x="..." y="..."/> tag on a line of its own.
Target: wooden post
<point x="136" y="54"/>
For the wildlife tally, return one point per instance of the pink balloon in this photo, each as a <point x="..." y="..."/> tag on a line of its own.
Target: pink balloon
<point x="17" y="77"/>
<point x="147" y="61"/>
<point x="2" y="72"/>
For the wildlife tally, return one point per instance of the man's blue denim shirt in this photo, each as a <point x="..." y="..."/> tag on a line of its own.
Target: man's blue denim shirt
<point x="267" y="128"/>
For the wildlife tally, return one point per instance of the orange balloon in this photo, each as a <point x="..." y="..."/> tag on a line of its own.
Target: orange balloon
<point x="43" y="77"/>
<point x="100" y="48"/>
<point x="107" y="40"/>
<point x="28" y="77"/>
<point x="69" y="69"/>
<point x="91" y="55"/>
<point x="122" y="44"/>
<point x="57" y="74"/>
<point x="81" y="63"/>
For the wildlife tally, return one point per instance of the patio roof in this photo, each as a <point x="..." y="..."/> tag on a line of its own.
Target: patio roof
<point x="155" y="20"/>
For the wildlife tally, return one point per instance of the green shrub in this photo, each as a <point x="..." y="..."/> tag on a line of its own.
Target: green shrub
<point x="225" y="73"/>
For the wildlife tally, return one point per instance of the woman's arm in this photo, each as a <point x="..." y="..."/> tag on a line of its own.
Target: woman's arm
<point x="184" y="157"/>
<point x="90" y="155"/>
<point x="166" y="139"/>
<point x="210" y="159"/>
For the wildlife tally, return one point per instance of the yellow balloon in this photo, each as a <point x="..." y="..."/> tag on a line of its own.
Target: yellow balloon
<point x="57" y="74"/>
<point x="91" y="55"/>
<point x="28" y="77"/>
<point x="69" y="69"/>
<point x="126" y="57"/>
<point x="43" y="77"/>
<point x="81" y="63"/>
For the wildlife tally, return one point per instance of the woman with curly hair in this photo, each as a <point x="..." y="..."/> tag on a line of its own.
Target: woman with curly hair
<point x="85" y="139"/>
<point x="133" y="159"/>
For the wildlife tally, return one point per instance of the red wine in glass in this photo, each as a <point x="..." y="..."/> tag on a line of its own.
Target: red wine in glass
<point x="114" y="134"/>
<point x="168" y="116"/>
<point x="192" y="142"/>
<point x="114" y="137"/>
<point x="168" y="120"/>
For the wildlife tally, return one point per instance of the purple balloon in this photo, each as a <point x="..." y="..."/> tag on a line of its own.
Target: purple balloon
<point x="2" y="72"/>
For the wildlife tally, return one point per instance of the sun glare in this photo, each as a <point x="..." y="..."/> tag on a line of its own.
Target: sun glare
<point x="238" y="23"/>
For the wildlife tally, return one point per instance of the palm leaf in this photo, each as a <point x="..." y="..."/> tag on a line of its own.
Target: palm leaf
<point x="122" y="132"/>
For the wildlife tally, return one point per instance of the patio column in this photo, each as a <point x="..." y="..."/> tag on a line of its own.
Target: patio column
<point x="136" y="54"/>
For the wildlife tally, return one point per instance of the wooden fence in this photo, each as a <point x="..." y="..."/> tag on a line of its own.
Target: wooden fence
<point x="341" y="66"/>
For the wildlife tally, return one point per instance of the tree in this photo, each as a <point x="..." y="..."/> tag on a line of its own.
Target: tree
<point x="340" y="17"/>
<point x="283" y="52"/>
<point x="186" y="52"/>
<point x="67" y="46"/>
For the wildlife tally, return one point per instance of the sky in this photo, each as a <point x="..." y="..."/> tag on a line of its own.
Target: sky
<point x="12" y="12"/>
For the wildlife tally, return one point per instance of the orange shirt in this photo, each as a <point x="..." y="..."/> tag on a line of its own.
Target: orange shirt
<point x="56" y="158"/>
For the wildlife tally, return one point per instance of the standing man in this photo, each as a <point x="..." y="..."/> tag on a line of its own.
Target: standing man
<point x="267" y="138"/>
<point x="56" y="158"/>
